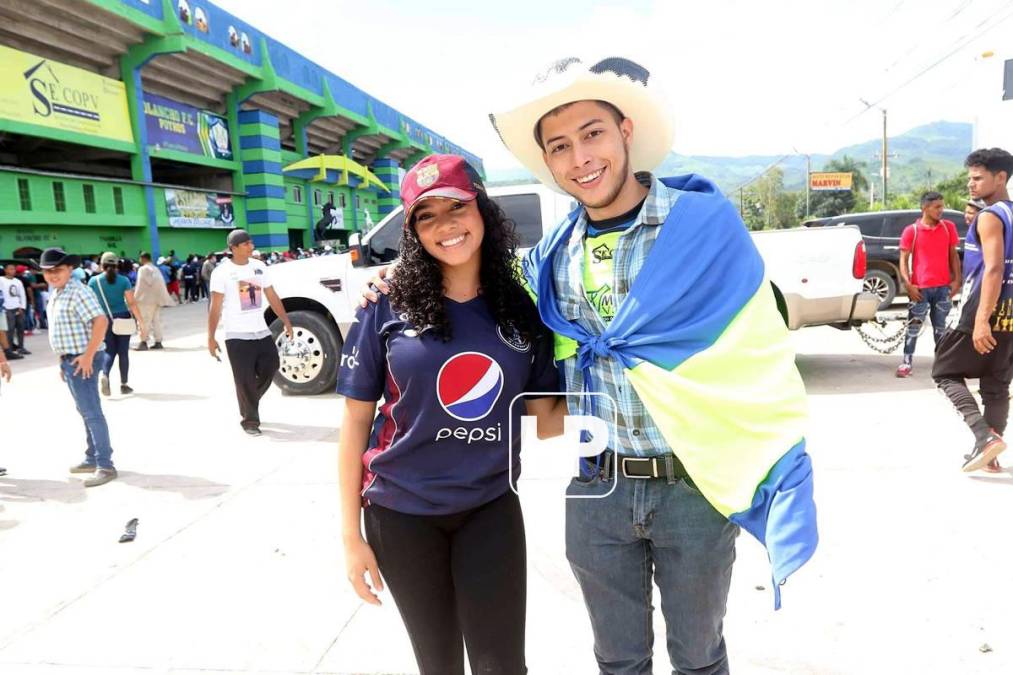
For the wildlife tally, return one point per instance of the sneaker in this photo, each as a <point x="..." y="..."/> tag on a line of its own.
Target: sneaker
<point x="12" y="355"/>
<point x="984" y="452"/>
<point x="126" y="389"/>
<point x="103" y="384"/>
<point x="142" y="347"/>
<point x="23" y="351"/>
<point x="83" y="467"/>
<point x="904" y="370"/>
<point x="100" y="477"/>
<point x="158" y="345"/>
<point x="253" y="431"/>
<point x="993" y="467"/>
<point x="3" y="471"/>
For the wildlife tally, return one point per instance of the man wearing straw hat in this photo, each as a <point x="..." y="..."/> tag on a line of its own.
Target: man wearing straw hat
<point x="659" y="300"/>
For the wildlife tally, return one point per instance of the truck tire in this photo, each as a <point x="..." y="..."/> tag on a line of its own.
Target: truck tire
<point x="309" y="364"/>
<point x="882" y="284"/>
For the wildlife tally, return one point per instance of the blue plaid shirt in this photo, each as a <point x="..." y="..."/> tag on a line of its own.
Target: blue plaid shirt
<point x="635" y="432"/>
<point x="71" y="310"/>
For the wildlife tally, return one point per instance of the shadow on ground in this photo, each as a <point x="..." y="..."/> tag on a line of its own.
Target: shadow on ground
<point x="166" y="397"/>
<point x="996" y="479"/>
<point x="7" y="524"/>
<point x="861" y="373"/>
<point x="70" y="491"/>
<point x="191" y="487"/>
<point x="279" y="431"/>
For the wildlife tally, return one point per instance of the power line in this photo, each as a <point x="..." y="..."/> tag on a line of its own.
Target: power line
<point x="763" y="173"/>
<point x="962" y="44"/>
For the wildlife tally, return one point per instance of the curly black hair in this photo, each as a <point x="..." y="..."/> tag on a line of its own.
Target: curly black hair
<point x="417" y="288"/>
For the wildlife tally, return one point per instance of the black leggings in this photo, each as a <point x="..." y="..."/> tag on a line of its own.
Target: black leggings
<point x="457" y="576"/>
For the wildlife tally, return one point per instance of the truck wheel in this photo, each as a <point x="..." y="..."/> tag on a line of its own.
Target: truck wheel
<point x="882" y="284"/>
<point x="309" y="363"/>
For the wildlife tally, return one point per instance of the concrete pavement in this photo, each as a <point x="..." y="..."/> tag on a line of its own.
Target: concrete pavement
<point x="237" y="566"/>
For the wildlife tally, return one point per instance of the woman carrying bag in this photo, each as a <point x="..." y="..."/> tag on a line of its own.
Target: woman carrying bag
<point x="117" y="297"/>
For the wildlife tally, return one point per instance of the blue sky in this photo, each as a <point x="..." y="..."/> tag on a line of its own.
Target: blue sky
<point x="744" y="77"/>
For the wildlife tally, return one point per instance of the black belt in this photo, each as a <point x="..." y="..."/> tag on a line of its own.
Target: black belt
<point x="667" y="466"/>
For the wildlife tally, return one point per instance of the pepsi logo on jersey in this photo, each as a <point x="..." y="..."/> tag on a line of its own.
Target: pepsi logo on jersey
<point x="468" y="385"/>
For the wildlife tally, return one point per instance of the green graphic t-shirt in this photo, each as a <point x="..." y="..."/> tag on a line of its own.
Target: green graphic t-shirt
<point x="600" y="243"/>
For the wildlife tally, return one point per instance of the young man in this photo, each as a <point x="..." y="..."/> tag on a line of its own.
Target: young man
<point x="5" y="374"/>
<point x="972" y="207"/>
<point x="28" y="281"/>
<point x="930" y="270"/>
<point x="238" y="289"/>
<point x="981" y="344"/>
<point x="151" y="295"/>
<point x="206" y="269"/>
<point x="5" y="346"/>
<point x="16" y="306"/>
<point x="77" y="328"/>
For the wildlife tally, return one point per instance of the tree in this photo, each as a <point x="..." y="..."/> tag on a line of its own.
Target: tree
<point x="766" y="205"/>
<point x="953" y="189"/>
<point x="834" y="203"/>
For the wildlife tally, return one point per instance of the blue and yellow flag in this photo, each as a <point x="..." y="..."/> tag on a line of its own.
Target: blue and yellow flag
<point x="707" y="351"/>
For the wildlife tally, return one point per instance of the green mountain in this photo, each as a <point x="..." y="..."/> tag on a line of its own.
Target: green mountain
<point x="923" y="156"/>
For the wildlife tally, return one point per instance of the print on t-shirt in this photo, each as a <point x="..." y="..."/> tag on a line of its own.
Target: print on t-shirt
<point x="251" y="294"/>
<point x="599" y="250"/>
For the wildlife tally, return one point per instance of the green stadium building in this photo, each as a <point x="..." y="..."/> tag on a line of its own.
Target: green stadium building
<point x="158" y="125"/>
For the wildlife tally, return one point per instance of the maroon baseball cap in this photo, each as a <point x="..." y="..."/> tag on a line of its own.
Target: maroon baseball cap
<point x="447" y="176"/>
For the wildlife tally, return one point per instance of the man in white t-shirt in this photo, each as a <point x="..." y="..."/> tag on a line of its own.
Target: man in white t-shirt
<point x="238" y="289"/>
<point x="15" y="305"/>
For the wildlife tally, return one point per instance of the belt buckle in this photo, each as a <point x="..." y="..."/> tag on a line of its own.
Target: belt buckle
<point x="652" y="460"/>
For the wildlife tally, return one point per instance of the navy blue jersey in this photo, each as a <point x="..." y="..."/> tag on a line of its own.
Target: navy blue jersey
<point x="439" y="444"/>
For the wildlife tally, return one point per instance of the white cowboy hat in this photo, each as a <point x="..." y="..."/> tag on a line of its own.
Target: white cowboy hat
<point x="625" y="84"/>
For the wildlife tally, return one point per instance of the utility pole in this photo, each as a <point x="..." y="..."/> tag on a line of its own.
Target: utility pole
<point x="742" y="211"/>
<point x="885" y="160"/>
<point x="808" y="179"/>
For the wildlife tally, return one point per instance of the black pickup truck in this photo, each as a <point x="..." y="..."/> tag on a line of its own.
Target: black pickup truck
<point x="881" y="231"/>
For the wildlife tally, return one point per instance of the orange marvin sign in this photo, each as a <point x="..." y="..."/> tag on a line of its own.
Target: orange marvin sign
<point x="829" y="181"/>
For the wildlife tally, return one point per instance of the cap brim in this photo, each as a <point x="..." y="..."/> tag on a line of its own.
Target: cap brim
<point x="456" y="194"/>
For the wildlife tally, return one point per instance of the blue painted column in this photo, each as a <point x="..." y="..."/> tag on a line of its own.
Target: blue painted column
<point x="388" y="170"/>
<point x="260" y="152"/>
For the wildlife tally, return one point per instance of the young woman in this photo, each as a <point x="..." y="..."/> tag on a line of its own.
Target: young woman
<point x="456" y="341"/>
<point x="116" y="297"/>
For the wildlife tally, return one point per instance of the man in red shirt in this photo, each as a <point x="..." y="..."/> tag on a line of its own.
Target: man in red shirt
<point x="930" y="270"/>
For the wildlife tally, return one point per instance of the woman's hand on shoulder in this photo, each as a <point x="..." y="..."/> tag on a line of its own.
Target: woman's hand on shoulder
<point x="376" y="285"/>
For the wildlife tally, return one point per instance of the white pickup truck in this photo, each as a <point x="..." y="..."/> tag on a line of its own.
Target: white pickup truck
<point x="817" y="276"/>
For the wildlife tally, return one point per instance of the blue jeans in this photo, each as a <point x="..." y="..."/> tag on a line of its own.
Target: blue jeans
<point x="651" y="529"/>
<point x="935" y="303"/>
<point x="117" y="346"/>
<point x="89" y="406"/>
